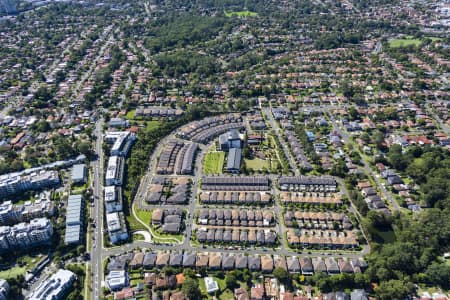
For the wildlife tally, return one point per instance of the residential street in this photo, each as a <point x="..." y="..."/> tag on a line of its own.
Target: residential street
<point x="99" y="253"/>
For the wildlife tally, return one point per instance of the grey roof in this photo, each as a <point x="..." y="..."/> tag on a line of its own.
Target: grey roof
<point x="234" y="159"/>
<point x="189" y="259"/>
<point x="306" y="265"/>
<point x="332" y="265"/>
<point x="176" y="259"/>
<point x="293" y="264"/>
<point x="149" y="259"/>
<point x="241" y="261"/>
<point x="201" y="235"/>
<point x="319" y="265"/>
<point x="358" y="295"/>
<point x="228" y="261"/>
<point x="306" y="180"/>
<point x="254" y="263"/>
<point x="74" y="219"/>
<point x="73" y="234"/>
<point x="79" y="172"/>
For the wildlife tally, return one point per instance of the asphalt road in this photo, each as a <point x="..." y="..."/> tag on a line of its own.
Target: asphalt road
<point x="97" y="254"/>
<point x="274" y="125"/>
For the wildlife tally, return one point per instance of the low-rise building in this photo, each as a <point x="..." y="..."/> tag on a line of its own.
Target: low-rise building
<point x="79" y="173"/>
<point x="117" y="280"/>
<point x="234" y="160"/>
<point x="74" y="219"/>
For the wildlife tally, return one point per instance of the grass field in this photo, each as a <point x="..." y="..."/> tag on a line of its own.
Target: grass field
<point x="213" y="163"/>
<point x="13" y="272"/>
<point x="152" y="125"/>
<point x="22" y="264"/>
<point x="144" y="215"/>
<point x="257" y="164"/>
<point x="164" y="238"/>
<point x="130" y="114"/>
<point x="395" y="43"/>
<point x="241" y="14"/>
<point x="138" y="237"/>
<point x="134" y="224"/>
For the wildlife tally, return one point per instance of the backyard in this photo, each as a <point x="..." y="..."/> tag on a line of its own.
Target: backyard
<point x="263" y="157"/>
<point x="224" y="293"/>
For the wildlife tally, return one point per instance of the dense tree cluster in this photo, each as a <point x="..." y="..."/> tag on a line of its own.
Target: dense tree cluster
<point x="430" y="169"/>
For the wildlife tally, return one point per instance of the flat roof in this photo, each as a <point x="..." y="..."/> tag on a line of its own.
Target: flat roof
<point x="79" y="172"/>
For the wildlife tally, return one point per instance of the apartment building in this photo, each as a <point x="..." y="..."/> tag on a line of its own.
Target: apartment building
<point x="55" y="288"/>
<point x="19" y="182"/>
<point x="39" y="231"/>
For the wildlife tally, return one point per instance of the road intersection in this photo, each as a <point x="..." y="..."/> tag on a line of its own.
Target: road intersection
<point x="100" y="252"/>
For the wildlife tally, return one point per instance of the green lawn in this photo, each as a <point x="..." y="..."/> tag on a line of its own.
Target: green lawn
<point x="165" y="238"/>
<point x="138" y="237"/>
<point x="213" y="163"/>
<point x="13" y="272"/>
<point x="257" y="164"/>
<point x="130" y="114"/>
<point x="152" y="125"/>
<point x="241" y="14"/>
<point x="87" y="283"/>
<point x="134" y="224"/>
<point x="134" y="282"/>
<point x="395" y="43"/>
<point x="226" y="295"/>
<point x="224" y="292"/>
<point x="144" y="215"/>
<point x="22" y="264"/>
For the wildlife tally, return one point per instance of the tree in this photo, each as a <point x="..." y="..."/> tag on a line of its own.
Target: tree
<point x="190" y="289"/>
<point x="365" y="137"/>
<point x="281" y="275"/>
<point x="231" y="281"/>
<point x="246" y="152"/>
<point x="84" y="148"/>
<point x="339" y="169"/>
<point x="394" y="289"/>
<point x="353" y="113"/>
<point x="42" y="126"/>
<point x="43" y="94"/>
<point x="439" y="273"/>
<point x="396" y="158"/>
